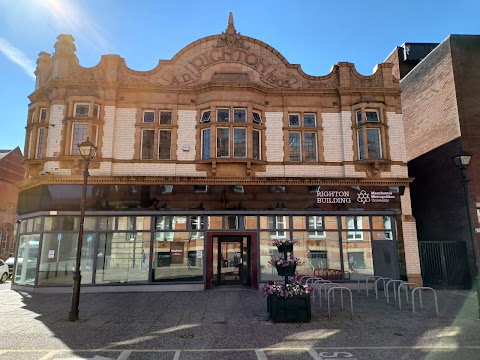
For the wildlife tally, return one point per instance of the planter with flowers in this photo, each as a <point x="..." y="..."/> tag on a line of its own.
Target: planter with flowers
<point x="287" y="301"/>
<point x="285" y="267"/>
<point x="285" y="245"/>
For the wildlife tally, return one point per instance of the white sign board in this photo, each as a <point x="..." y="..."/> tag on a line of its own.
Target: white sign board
<point x="51" y="254"/>
<point x="199" y="254"/>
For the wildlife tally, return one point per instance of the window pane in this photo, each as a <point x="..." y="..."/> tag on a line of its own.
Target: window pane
<point x="257" y="119"/>
<point x="94" y="134"/>
<point x="165" y="117"/>
<point x="372" y="116"/>
<point x="359" y="117"/>
<point x="81" y="110"/>
<point x="373" y="139"/>
<point x="80" y="133"/>
<point x="240" y="143"/>
<point x="223" y="142"/>
<point x="294" y="120"/>
<point x="232" y="222"/>
<point x="121" y="258"/>
<point x="149" y="117"/>
<point x="107" y="223"/>
<point x="205" y="117"/>
<point x="357" y="255"/>
<point x="310" y="147"/>
<point x="43" y="115"/>
<point x="58" y="257"/>
<point x="147" y="144"/>
<point x="294" y="146"/>
<point x="206" y="144"/>
<point x="178" y="260"/>
<point x="309" y="120"/>
<point x="321" y="256"/>
<point x="96" y="111"/>
<point x="223" y="115"/>
<point x="361" y="149"/>
<point x="28" y="257"/>
<point x="164" y="145"/>
<point x="40" y="141"/>
<point x="240" y="115"/>
<point x="256" y="145"/>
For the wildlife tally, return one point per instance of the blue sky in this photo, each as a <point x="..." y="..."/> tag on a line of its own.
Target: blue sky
<point x="313" y="33"/>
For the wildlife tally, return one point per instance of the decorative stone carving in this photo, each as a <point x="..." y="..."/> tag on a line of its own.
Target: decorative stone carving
<point x="358" y="80"/>
<point x="373" y="169"/>
<point x="79" y="73"/>
<point x="65" y="45"/>
<point x="231" y="38"/>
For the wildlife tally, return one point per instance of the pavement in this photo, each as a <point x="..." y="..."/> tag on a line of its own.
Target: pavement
<point x="232" y="323"/>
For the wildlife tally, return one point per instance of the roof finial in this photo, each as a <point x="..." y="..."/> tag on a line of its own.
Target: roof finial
<point x="230" y="37"/>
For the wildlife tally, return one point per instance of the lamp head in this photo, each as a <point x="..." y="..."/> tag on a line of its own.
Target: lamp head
<point x="87" y="149"/>
<point x="462" y="159"/>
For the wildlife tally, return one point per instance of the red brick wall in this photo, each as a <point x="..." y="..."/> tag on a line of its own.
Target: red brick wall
<point x="11" y="172"/>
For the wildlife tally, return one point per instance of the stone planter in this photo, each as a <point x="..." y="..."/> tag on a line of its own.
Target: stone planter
<point x="293" y="309"/>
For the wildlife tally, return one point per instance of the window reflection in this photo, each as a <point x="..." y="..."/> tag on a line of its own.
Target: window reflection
<point x="178" y="260"/>
<point x="26" y="268"/>
<point x="122" y="258"/>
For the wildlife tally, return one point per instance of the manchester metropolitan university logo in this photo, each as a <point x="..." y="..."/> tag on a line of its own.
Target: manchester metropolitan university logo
<point x="363" y="197"/>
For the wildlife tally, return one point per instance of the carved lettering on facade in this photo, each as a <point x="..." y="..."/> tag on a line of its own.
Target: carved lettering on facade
<point x="217" y="55"/>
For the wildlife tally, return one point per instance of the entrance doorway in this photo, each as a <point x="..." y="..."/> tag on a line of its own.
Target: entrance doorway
<point x="231" y="263"/>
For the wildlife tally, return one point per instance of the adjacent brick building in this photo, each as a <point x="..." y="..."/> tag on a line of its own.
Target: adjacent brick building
<point x="441" y="109"/>
<point x="206" y="159"/>
<point x="11" y="172"/>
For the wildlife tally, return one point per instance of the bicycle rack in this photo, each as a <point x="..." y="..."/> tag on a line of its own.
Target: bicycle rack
<point x="313" y="279"/>
<point x="394" y="290"/>
<point x="341" y="288"/>
<point x="320" y="290"/>
<point x="307" y="277"/>
<point x="369" y="277"/>
<point x="406" y="292"/>
<point x="319" y="281"/>
<point x="420" y="288"/>
<point x="376" y="286"/>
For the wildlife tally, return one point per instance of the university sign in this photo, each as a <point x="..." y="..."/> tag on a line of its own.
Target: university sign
<point x="354" y="195"/>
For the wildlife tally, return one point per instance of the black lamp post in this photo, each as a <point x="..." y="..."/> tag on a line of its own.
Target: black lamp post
<point x="462" y="160"/>
<point x="87" y="150"/>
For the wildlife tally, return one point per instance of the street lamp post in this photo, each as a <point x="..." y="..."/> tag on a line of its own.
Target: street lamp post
<point x="462" y="160"/>
<point x="87" y="150"/>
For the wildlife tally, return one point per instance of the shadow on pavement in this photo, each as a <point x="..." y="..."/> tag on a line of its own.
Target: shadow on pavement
<point x="233" y="324"/>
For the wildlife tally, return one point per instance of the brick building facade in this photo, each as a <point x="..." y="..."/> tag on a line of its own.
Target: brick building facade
<point x="441" y="115"/>
<point x="205" y="159"/>
<point x="11" y="172"/>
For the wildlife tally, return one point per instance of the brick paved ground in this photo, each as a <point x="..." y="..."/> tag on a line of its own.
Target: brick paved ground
<point x="232" y="325"/>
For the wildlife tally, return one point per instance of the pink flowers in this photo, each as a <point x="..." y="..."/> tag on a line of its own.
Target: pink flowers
<point x="292" y="261"/>
<point x="280" y="289"/>
<point x="279" y="242"/>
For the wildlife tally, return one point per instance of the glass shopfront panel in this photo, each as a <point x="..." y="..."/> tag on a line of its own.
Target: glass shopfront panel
<point x="178" y="259"/>
<point x="319" y="254"/>
<point x="119" y="258"/>
<point x="57" y="259"/>
<point x="357" y="254"/>
<point x="26" y="269"/>
<point x="267" y="252"/>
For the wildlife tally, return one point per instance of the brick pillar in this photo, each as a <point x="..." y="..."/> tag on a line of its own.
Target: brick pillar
<point x="410" y="241"/>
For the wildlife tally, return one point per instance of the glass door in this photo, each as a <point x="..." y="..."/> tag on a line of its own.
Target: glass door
<point x="230" y="261"/>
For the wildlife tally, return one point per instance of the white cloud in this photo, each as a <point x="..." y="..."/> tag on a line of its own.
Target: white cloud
<point x="17" y="57"/>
